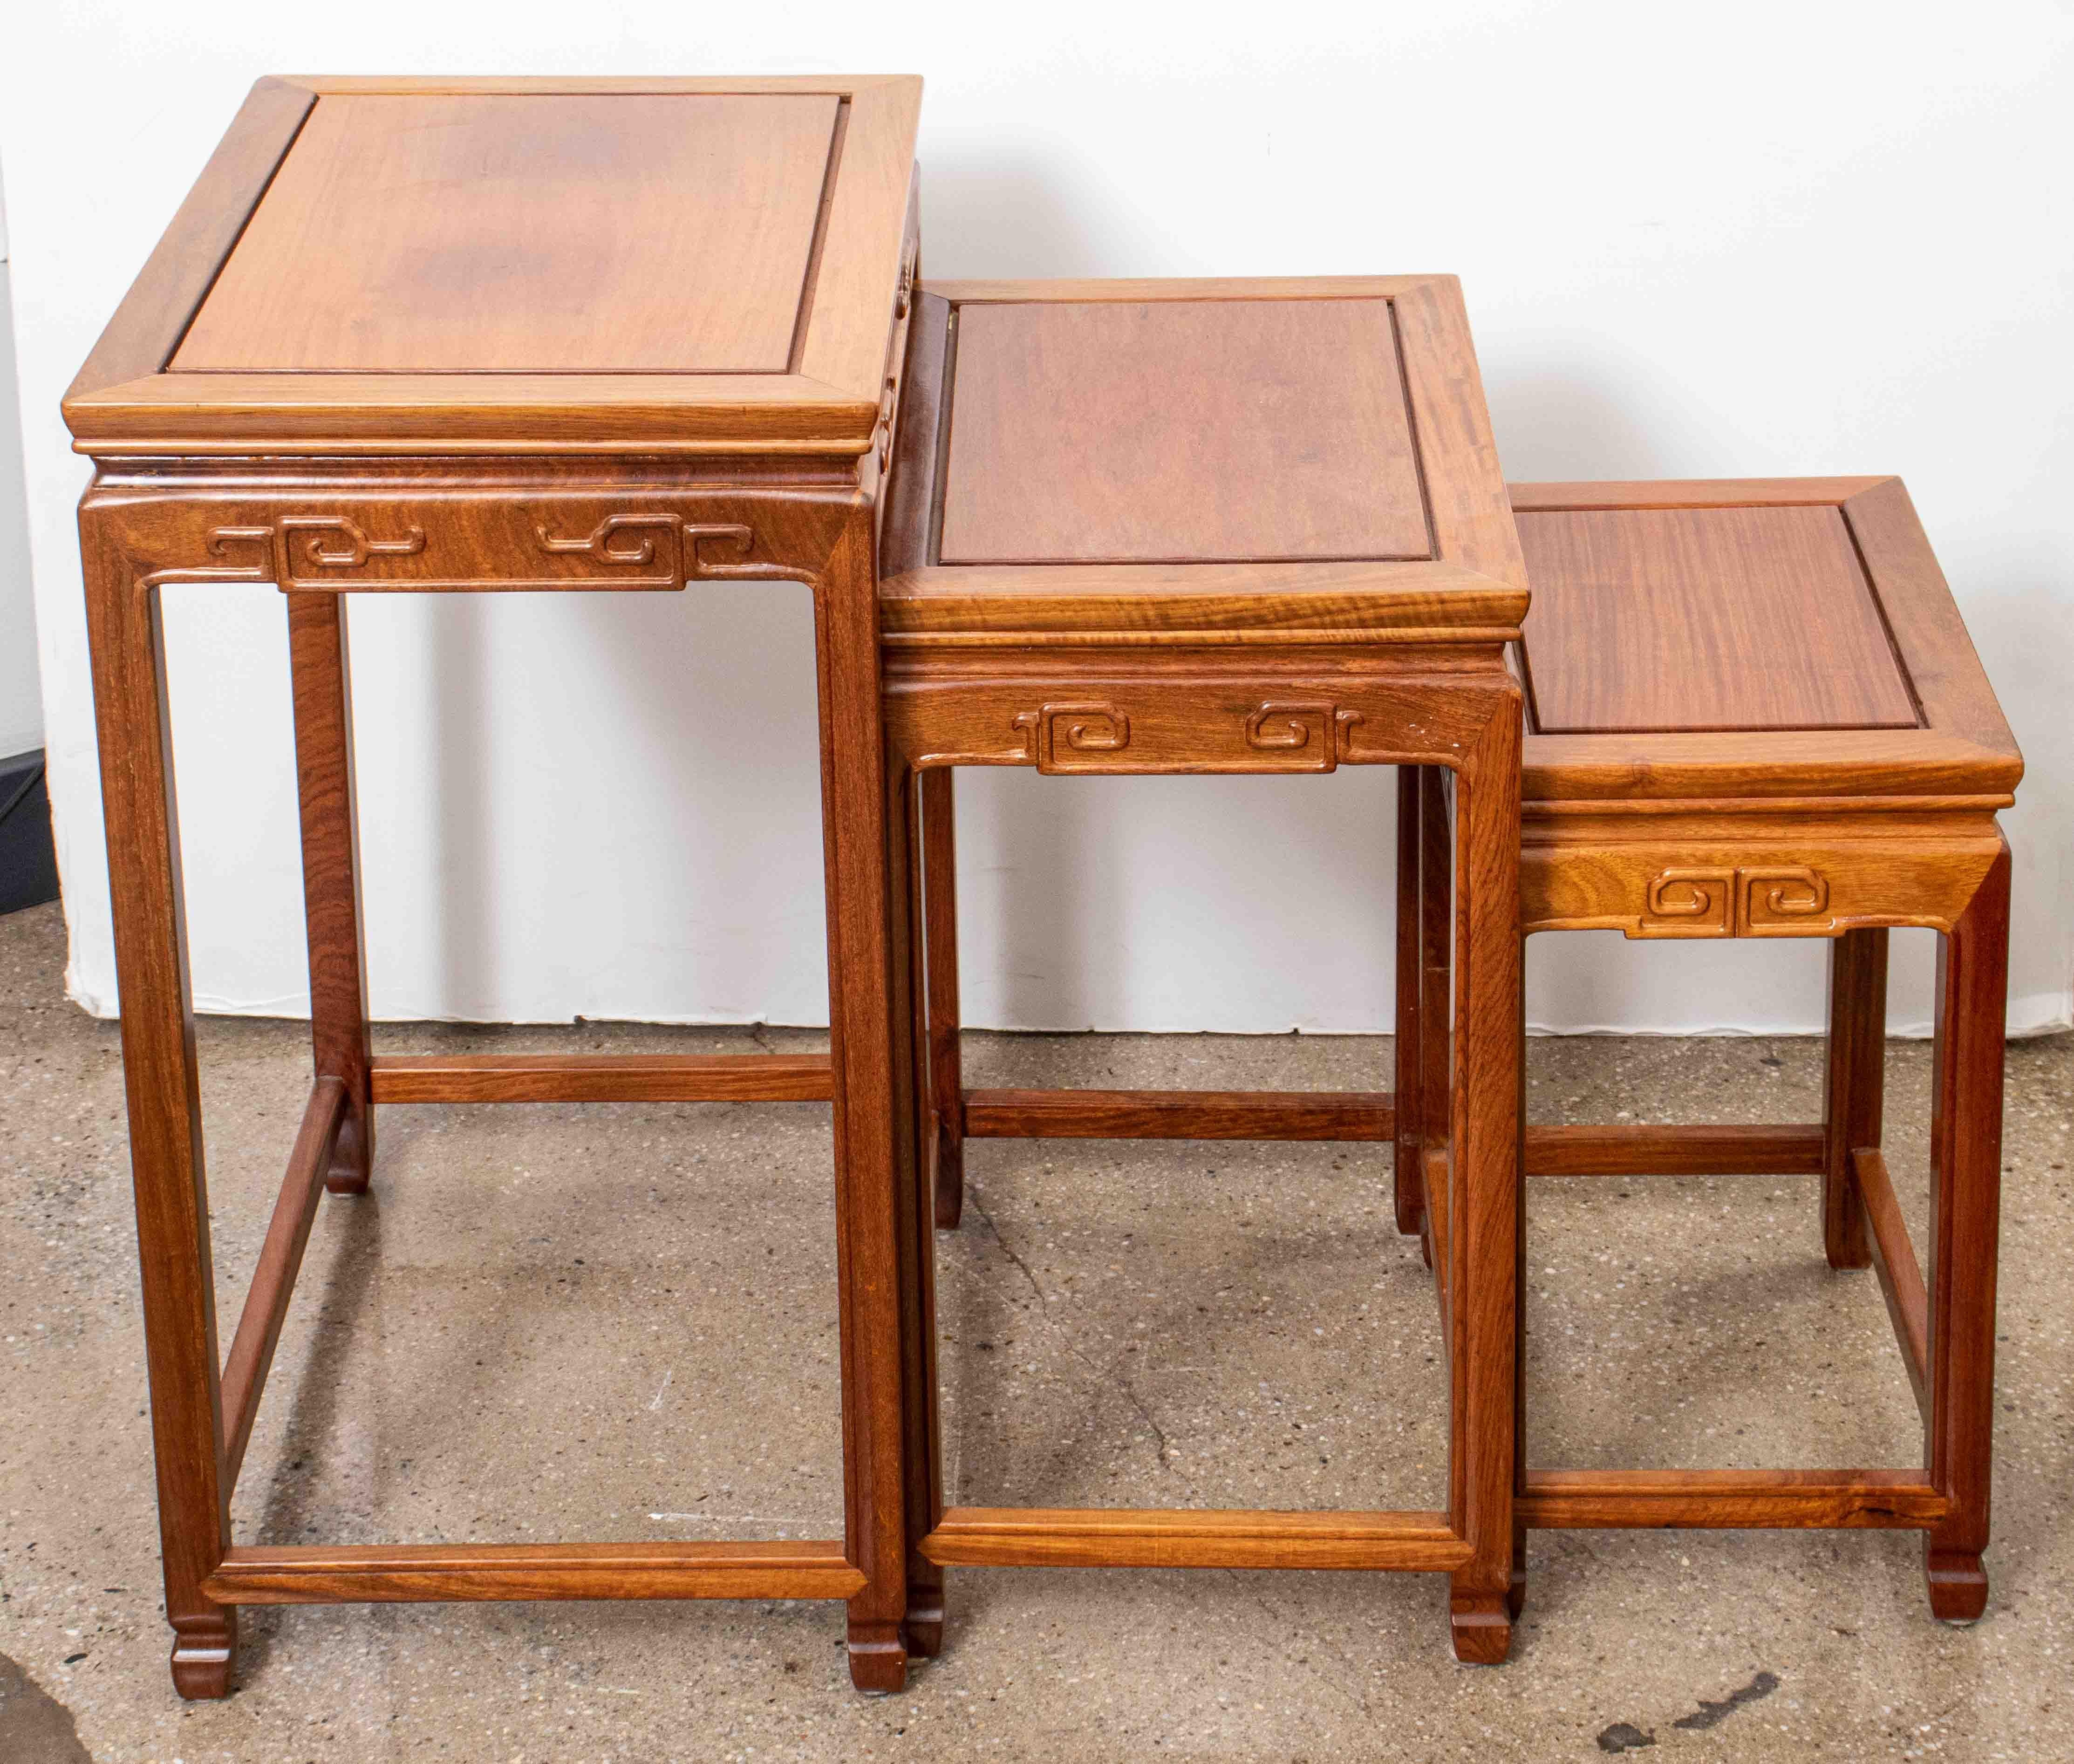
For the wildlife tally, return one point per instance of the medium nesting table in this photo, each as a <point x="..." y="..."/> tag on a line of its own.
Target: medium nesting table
<point x="447" y="336"/>
<point x="1251" y="527"/>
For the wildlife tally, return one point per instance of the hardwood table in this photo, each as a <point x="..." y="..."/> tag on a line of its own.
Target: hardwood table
<point x="1217" y="527"/>
<point x="1753" y="710"/>
<point x="458" y="336"/>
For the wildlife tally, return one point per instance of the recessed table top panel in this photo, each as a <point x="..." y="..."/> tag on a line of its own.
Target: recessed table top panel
<point x="516" y="233"/>
<point x="1714" y="618"/>
<point x="1179" y="431"/>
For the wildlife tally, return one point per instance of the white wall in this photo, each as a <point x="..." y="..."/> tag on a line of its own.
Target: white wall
<point x="21" y="703"/>
<point x="1785" y="239"/>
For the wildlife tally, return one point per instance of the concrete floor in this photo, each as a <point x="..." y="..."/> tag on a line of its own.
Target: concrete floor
<point x="618" y="1322"/>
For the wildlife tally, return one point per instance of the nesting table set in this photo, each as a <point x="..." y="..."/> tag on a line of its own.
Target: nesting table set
<point x="467" y="336"/>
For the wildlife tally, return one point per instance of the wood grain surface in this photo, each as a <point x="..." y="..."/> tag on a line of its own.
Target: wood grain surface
<point x="602" y="1078"/>
<point x="444" y="234"/>
<point x="1561" y="1500"/>
<point x="1179" y="431"/>
<point x="1179" y="1114"/>
<point x="1724" y="618"/>
<point x="390" y="1573"/>
<point x="1156" y="1537"/>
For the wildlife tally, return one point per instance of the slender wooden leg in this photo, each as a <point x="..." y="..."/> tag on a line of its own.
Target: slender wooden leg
<point x="939" y="896"/>
<point x="1487" y="1193"/>
<point x="1854" y="1087"/>
<point x="1966" y="1148"/>
<point x="1516" y="1598"/>
<point x="1411" y="1197"/>
<point x="924" y="1620"/>
<point x="164" y="1104"/>
<point x="862" y="1035"/>
<point x="331" y="873"/>
<point x="1435" y="966"/>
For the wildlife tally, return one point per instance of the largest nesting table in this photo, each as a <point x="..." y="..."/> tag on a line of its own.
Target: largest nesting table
<point x="440" y="336"/>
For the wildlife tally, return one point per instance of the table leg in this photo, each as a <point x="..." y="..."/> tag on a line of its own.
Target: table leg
<point x="1487" y="1202"/>
<point x="331" y="873"/>
<point x="906" y="819"/>
<point x="1434" y="1045"/>
<point x="164" y="1101"/>
<point x="1854" y="1087"/>
<point x="861" y="1032"/>
<point x="939" y="901"/>
<point x="1410" y="1196"/>
<point x="1965" y="1149"/>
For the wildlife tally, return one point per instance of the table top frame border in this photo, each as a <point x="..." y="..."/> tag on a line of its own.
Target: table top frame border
<point x="1962" y="747"/>
<point x="124" y="402"/>
<point x="1476" y="577"/>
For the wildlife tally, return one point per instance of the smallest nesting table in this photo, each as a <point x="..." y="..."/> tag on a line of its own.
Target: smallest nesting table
<point x="1753" y="710"/>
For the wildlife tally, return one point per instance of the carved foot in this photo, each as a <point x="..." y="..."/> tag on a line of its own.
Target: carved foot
<point x="1409" y="1198"/>
<point x="352" y="1159"/>
<point x="1958" y="1584"/>
<point x="1482" y="1626"/>
<point x="1844" y="1260"/>
<point x="877" y="1657"/>
<point x="202" y="1651"/>
<point x="1845" y="1241"/>
<point x="950" y="1180"/>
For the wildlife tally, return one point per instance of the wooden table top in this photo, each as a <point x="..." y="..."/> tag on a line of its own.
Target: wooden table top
<point x="486" y="265"/>
<point x="1310" y="453"/>
<point x="1756" y="637"/>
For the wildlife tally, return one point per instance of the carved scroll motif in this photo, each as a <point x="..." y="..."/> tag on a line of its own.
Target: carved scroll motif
<point x="1322" y="734"/>
<point x="1053" y="735"/>
<point x="221" y="542"/>
<point x="332" y="553"/>
<point x="1693" y="902"/>
<point x="315" y="531"/>
<point x="690" y="556"/>
<point x="625" y="540"/>
<point x="320" y="542"/>
<point x="738" y="540"/>
<point x="1276" y="737"/>
<point x="1756" y="901"/>
<point x="1788" y="902"/>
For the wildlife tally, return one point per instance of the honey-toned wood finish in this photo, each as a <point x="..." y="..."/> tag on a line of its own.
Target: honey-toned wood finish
<point x="632" y="202"/>
<point x="1177" y="667"/>
<point x="417" y="1573"/>
<point x="1060" y="424"/>
<point x="1191" y="1538"/>
<point x="1836" y="832"/>
<point x="634" y="233"/>
<point x="459" y="481"/>
<point x="603" y="1078"/>
<point x="1466" y="583"/>
<point x="1960" y="746"/>
<point x="1177" y="1114"/>
<point x="1650" y="620"/>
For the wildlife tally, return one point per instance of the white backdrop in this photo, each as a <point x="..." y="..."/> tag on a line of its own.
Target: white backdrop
<point x="1800" y="239"/>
